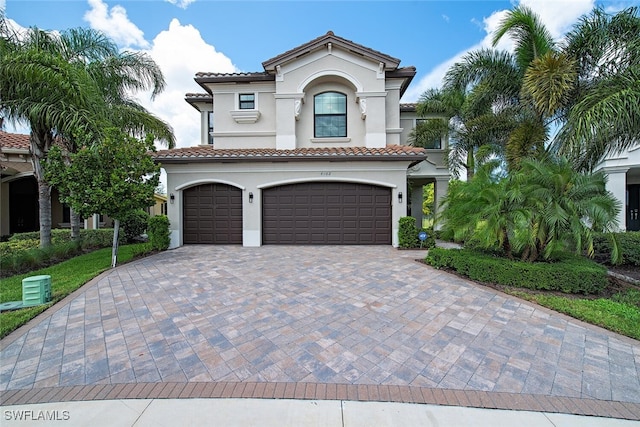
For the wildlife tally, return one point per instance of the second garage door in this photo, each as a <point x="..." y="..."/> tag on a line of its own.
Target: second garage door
<point x="334" y="213"/>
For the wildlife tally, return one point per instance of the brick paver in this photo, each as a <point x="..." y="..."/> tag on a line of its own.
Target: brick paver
<point x="318" y="315"/>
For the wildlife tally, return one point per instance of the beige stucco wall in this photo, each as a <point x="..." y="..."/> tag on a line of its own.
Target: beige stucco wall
<point x="286" y="106"/>
<point x="228" y="133"/>
<point x="253" y="177"/>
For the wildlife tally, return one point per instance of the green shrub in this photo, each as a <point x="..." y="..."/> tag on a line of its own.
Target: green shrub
<point x="574" y="275"/>
<point x="100" y="238"/>
<point x="408" y="234"/>
<point x="629" y="245"/>
<point x="134" y="224"/>
<point x="158" y="232"/>
<point x="9" y="247"/>
<point x="22" y="252"/>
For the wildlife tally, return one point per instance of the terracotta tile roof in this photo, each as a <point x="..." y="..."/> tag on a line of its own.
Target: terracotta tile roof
<point x="203" y="96"/>
<point x="14" y="140"/>
<point x="206" y="153"/>
<point x="231" y="75"/>
<point x="410" y="106"/>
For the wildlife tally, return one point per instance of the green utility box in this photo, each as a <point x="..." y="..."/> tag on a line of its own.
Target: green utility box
<point x="36" y="290"/>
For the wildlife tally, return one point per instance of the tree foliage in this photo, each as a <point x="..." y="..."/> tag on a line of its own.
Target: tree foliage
<point x="544" y="208"/>
<point x="115" y="177"/>
<point x="71" y="84"/>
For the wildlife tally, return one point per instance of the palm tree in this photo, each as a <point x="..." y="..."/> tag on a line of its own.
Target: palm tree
<point x="565" y="208"/>
<point x="493" y="82"/>
<point x="69" y="86"/>
<point x="592" y="87"/>
<point x="474" y="136"/>
<point x="543" y="208"/>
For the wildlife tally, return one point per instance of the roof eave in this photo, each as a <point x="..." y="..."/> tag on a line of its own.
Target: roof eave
<point x="319" y="43"/>
<point x="233" y="78"/>
<point x="406" y="73"/>
<point x="413" y="158"/>
<point x="200" y="99"/>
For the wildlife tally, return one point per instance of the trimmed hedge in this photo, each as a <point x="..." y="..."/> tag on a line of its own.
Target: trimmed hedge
<point x="22" y="251"/>
<point x="629" y="245"/>
<point x="408" y="234"/>
<point x="158" y="232"/>
<point x="573" y="275"/>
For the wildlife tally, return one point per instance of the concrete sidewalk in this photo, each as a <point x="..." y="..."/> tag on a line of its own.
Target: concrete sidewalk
<point x="280" y="413"/>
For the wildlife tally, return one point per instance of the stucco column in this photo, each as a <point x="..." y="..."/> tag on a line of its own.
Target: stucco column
<point x="441" y="189"/>
<point x="252" y="217"/>
<point x="617" y="185"/>
<point x="286" y="106"/>
<point x="372" y="111"/>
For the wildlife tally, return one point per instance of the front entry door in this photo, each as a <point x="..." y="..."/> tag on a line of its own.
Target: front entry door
<point x="633" y="208"/>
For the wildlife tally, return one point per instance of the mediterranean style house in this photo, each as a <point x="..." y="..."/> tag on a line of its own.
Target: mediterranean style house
<point x="312" y="150"/>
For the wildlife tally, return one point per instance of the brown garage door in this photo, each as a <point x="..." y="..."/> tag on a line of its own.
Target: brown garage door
<point x="212" y="214"/>
<point x="334" y="213"/>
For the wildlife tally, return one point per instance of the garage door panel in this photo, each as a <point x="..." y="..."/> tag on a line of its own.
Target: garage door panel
<point x="328" y="213"/>
<point x="212" y="214"/>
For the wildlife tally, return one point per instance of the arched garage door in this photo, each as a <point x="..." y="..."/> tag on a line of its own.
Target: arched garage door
<point x="334" y="213"/>
<point x="212" y="214"/>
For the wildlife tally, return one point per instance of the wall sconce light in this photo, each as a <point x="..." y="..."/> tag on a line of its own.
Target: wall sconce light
<point x="172" y="198"/>
<point x="250" y="197"/>
<point x="400" y="197"/>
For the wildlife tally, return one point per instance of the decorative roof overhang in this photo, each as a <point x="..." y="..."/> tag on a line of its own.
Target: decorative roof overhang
<point x="209" y="154"/>
<point x="390" y="63"/>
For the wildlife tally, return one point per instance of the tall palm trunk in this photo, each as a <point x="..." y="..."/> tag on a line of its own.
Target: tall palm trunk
<point x="74" y="218"/>
<point x="39" y="148"/>
<point x="471" y="164"/>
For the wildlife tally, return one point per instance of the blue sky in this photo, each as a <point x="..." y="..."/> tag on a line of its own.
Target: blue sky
<point x="187" y="36"/>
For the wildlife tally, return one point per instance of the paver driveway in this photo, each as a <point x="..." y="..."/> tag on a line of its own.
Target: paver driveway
<point x="323" y="314"/>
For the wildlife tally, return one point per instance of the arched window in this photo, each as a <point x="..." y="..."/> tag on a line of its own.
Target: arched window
<point x="330" y="115"/>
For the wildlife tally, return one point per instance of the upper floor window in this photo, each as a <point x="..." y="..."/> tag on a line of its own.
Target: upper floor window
<point x="330" y="115"/>
<point x="430" y="143"/>
<point x="210" y="127"/>
<point x="247" y="101"/>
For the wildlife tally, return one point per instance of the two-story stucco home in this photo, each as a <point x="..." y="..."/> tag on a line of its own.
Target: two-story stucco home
<point x="312" y="150"/>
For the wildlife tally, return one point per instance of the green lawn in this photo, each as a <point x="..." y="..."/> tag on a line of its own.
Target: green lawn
<point x="66" y="277"/>
<point x="621" y="316"/>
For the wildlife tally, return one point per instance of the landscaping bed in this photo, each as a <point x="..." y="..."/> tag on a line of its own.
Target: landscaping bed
<point x="614" y="306"/>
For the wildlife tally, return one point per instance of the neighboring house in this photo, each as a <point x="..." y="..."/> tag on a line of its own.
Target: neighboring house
<point x="623" y="171"/>
<point x="159" y="206"/>
<point x="312" y="150"/>
<point x="19" y="191"/>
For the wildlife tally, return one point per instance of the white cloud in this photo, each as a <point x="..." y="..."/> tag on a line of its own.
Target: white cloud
<point x="558" y="16"/>
<point x="180" y="52"/>
<point x="446" y="18"/>
<point x="116" y="24"/>
<point x="183" y="4"/>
